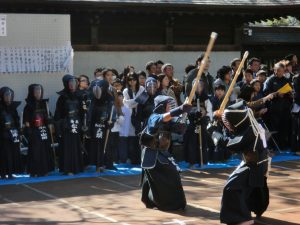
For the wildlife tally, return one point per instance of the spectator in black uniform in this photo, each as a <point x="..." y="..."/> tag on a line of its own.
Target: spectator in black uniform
<point x="279" y="108"/>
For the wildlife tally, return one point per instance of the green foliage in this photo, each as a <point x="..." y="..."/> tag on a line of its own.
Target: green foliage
<point x="289" y="21"/>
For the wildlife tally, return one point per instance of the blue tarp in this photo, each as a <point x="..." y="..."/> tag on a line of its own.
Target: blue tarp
<point x="127" y="169"/>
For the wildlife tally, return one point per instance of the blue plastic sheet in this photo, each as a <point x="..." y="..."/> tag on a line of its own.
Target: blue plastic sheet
<point x="127" y="169"/>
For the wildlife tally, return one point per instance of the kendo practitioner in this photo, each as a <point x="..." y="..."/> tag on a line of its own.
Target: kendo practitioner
<point x="36" y="120"/>
<point x="199" y="117"/>
<point x="68" y="118"/>
<point x="10" y="158"/>
<point x="102" y="102"/>
<point x="146" y="103"/>
<point x="246" y="189"/>
<point x="161" y="186"/>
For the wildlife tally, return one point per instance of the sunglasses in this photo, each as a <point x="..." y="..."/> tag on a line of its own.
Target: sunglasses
<point x="131" y="79"/>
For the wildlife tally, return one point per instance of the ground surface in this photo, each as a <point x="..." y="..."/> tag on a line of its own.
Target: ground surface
<point x="116" y="200"/>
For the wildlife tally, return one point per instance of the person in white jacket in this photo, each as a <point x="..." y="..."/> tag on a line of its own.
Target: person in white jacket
<point x="131" y="92"/>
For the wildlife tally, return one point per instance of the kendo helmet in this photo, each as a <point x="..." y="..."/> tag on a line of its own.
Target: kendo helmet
<point x="6" y="95"/>
<point x="160" y="103"/>
<point x="240" y="120"/>
<point x="35" y="92"/>
<point x="99" y="88"/>
<point x="236" y="117"/>
<point x="70" y="82"/>
<point x="151" y="85"/>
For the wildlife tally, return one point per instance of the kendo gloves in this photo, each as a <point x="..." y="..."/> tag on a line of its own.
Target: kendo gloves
<point x="184" y="108"/>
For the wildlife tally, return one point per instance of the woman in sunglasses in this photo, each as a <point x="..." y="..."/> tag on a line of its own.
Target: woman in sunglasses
<point x="83" y="82"/>
<point x="131" y="92"/>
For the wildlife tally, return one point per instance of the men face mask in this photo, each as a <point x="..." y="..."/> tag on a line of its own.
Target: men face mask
<point x="37" y="92"/>
<point x="151" y="87"/>
<point x="172" y="104"/>
<point x="8" y="97"/>
<point x="97" y="92"/>
<point x="72" y="85"/>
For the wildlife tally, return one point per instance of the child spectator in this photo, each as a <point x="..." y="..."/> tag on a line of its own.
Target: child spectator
<point x="118" y="150"/>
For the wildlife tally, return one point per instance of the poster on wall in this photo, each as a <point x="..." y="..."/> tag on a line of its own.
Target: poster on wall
<point x="30" y="59"/>
<point x="3" y="32"/>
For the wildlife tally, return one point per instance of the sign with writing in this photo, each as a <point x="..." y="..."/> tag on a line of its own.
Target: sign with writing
<point x="31" y="59"/>
<point x="3" y="32"/>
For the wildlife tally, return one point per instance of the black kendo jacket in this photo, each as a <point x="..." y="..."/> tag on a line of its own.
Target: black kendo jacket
<point x="196" y="117"/>
<point x="207" y="79"/>
<point x="100" y="109"/>
<point x="216" y="103"/>
<point x="9" y="118"/>
<point x="242" y="139"/>
<point x="273" y="84"/>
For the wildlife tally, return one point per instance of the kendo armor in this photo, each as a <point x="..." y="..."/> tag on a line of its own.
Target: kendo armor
<point x="161" y="137"/>
<point x="249" y="136"/>
<point x="72" y="118"/>
<point x="8" y="126"/>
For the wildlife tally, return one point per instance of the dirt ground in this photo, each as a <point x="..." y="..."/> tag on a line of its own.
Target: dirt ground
<point x="116" y="200"/>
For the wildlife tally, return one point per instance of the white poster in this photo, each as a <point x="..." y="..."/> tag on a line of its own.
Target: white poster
<point x="3" y="32"/>
<point x="28" y="59"/>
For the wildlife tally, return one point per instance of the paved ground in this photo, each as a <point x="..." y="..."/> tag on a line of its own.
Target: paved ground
<point x="109" y="200"/>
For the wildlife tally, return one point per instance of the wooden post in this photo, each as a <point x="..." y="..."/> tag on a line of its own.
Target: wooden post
<point x="94" y="22"/>
<point x="169" y="32"/>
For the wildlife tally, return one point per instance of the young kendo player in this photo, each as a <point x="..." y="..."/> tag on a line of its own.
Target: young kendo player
<point x="10" y="158"/>
<point x="246" y="189"/>
<point x="100" y="109"/>
<point x="68" y="118"/>
<point x="36" y="120"/>
<point x="161" y="186"/>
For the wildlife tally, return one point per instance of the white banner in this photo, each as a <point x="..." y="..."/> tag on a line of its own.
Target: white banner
<point x="27" y="59"/>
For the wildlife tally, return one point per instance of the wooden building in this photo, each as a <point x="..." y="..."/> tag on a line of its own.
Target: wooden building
<point x="171" y="25"/>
